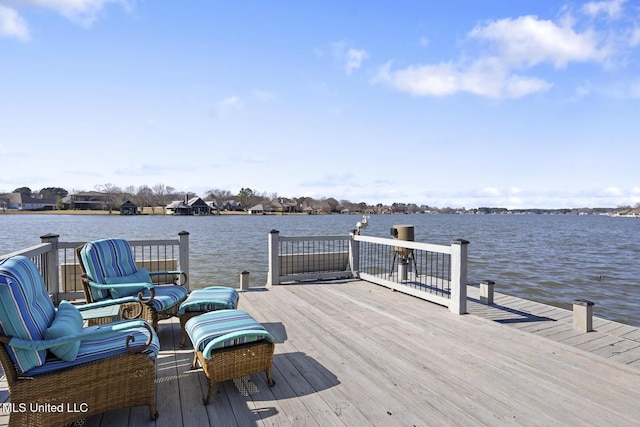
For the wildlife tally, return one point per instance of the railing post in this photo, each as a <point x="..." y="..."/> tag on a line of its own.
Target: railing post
<point x="183" y="250"/>
<point x="459" y="276"/>
<point x="50" y="267"/>
<point x="273" y="277"/>
<point x="354" y="256"/>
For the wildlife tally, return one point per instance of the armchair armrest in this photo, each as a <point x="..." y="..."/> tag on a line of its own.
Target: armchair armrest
<point x="119" y="285"/>
<point x="106" y="303"/>
<point x="98" y="331"/>
<point x="181" y="273"/>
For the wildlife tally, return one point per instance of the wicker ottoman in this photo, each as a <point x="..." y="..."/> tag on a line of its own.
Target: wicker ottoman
<point x="205" y="300"/>
<point x="230" y="344"/>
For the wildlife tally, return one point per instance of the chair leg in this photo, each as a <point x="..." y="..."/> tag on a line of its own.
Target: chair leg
<point x="153" y="414"/>
<point x="270" y="380"/>
<point x="194" y="364"/>
<point x="184" y="338"/>
<point x="207" y="399"/>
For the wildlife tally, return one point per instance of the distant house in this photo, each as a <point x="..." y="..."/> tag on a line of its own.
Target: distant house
<point x="199" y="206"/>
<point x="22" y="202"/>
<point x="129" y="208"/>
<point x="215" y="209"/>
<point x="309" y="210"/>
<point x="178" y="207"/>
<point x="231" y="205"/>
<point x="87" y="200"/>
<point x="283" y="206"/>
<point x="258" y="210"/>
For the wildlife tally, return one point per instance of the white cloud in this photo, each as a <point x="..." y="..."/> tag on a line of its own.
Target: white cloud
<point x="612" y="8"/>
<point x="264" y="96"/>
<point x="12" y="25"/>
<point x="81" y="12"/>
<point x="634" y="39"/>
<point x="491" y="191"/>
<point x="351" y="58"/>
<point x="446" y="79"/>
<point x="612" y="191"/>
<point x="227" y="105"/>
<point x="503" y="51"/>
<point x="527" y="41"/>
<point x="354" y="58"/>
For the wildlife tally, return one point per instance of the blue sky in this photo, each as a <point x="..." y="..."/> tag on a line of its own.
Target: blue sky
<point x="521" y="104"/>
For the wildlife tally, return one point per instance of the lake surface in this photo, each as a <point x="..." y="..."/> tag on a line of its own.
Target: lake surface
<point x="552" y="259"/>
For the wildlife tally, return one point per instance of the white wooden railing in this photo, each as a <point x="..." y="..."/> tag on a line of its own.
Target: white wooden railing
<point x="58" y="264"/>
<point x="436" y="273"/>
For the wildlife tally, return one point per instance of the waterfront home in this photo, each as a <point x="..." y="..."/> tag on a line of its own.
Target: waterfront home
<point x="87" y="200"/>
<point x="178" y="207"/>
<point x="129" y="208"/>
<point x="258" y="210"/>
<point x="199" y="206"/>
<point x="22" y="202"/>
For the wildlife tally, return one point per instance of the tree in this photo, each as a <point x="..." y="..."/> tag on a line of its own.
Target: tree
<point x="25" y="191"/>
<point x="162" y="193"/>
<point x="219" y="195"/>
<point x="112" y="193"/>
<point x="145" y="196"/>
<point x="245" y="196"/>
<point x="53" y="193"/>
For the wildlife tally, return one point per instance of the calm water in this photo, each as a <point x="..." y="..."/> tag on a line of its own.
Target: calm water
<point x="548" y="258"/>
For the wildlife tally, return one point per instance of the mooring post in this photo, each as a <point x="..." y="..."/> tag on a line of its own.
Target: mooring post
<point x="486" y="292"/>
<point x="244" y="281"/>
<point x="583" y="315"/>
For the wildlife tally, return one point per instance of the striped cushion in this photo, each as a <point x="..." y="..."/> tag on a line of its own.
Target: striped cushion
<point x="107" y="258"/>
<point x="26" y="311"/>
<point x="102" y="347"/>
<point x="224" y="328"/>
<point x="167" y="296"/>
<point x="210" y="299"/>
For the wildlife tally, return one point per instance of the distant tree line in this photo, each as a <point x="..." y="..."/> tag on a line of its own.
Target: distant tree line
<point x="161" y="195"/>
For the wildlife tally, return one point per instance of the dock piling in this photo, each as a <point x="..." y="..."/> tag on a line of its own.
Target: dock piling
<point x="244" y="281"/>
<point x="486" y="292"/>
<point x="583" y="315"/>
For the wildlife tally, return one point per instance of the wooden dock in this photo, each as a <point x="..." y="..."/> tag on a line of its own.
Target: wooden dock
<point x="351" y="353"/>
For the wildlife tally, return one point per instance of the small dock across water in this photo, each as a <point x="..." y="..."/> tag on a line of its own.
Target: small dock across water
<point x="351" y="353"/>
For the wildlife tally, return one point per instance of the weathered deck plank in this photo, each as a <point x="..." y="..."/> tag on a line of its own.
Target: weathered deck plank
<point x="352" y="353"/>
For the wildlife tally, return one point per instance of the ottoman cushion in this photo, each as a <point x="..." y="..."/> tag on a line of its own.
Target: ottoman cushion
<point x="224" y="328"/>
<point x="210" y="299"/>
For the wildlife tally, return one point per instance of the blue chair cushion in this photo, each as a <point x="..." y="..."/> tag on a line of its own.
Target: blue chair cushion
<point x="67" y="321"/>
<point x="26" y="311"/>
<point x="210" y="299"/>
<point x="224" y="328"/>
<point x="167" y="296"/>
<point x="140" y="276"/>
<point x="102" y="347"/>
<point x="107" y="258"/>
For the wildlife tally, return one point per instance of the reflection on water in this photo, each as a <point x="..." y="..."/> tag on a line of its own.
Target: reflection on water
<point x="547" y="258"/>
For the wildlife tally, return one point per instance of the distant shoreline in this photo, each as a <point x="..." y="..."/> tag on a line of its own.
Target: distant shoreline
<point x="117" y="213"/>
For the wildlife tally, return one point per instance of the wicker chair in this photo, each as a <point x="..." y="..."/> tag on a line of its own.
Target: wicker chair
<point x="110" y="271"/>
<point x="59" y="371"/>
